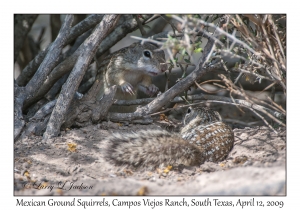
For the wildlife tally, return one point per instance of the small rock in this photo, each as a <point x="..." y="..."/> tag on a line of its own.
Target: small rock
<point x="74" y="156"/>
<point x="248" y="163"/>
<point x="26" y="165"/>
<point x="189" y="171"/>
<point x="240" y="159"/>
<point x="152" y="179"/>
<point x="210" y="167"/>
<point x="44" y="179"/>
<point x="164" y="174"/>
<point x="62" y="172"/>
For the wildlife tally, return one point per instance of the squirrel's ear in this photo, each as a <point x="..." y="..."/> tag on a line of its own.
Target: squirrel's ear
<point x="132" y="48"/>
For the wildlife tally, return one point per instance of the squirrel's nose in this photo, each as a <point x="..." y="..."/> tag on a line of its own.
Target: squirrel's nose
<point x="163" y="67"/>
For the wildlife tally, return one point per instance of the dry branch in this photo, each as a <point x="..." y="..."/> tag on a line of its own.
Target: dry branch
<point x="76" y="31"/>
<point x="22" y="25"/>
<point x="142" y="30"/>
<point x="74" y="79"/>
<point x="119" y="33"/>
<point x="55" y="25"/>
<point x="268" y="64"/>
<point x="39" y="77"/>
<point x="67" y="65"/>
<point x="51" y="58"/>
<point x="245" y="103"/>
<point x="88" y="110"/>
<point x="60" y="70"/>
<point x="56" y="88"/>
<point x="167" y="96"/>
<point x="37" y="124"/>
<point x="258" y="62"/>
<point x="246" y="106"/>
<point x="182" y="85"/>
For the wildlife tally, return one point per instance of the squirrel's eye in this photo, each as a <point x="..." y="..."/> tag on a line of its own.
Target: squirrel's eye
<point x="147" y="54"/>
<point x="189" y="110"/>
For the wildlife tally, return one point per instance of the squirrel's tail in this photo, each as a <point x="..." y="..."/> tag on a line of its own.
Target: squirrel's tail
<point x="152" y="148"/>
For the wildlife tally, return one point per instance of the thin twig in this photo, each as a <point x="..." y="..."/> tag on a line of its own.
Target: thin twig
<point x="238" y="77"/>
<point x="239" y="91"/>
<point x="252" y="73"/>
<point x="141" y="28"/>
<point x="233" y="38"/>
<point x="223" y="102"/>
<point x="249" y="124"/>
<point x="277" y="37"/>
<point x="203" y="89"/>
<point x="275" y="104"/>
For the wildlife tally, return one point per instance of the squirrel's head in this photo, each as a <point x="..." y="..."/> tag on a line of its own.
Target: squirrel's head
<point x="202" y="114"/>
<point x="146" y="57"/>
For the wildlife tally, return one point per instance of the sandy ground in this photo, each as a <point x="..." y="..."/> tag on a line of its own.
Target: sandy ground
<point x="255" y="166"/>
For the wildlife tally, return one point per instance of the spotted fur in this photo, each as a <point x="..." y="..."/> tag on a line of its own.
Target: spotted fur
<point x="204" y="137"/>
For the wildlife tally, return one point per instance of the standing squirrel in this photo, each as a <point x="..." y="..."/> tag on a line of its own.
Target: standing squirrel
<point x="204" y="137"/>
<point x="131" y="68"/>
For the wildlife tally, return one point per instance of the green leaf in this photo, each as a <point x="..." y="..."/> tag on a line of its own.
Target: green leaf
<point x="197" y="16"/>
<point x="183" y="51"/>
<point x="197" y="44"/>
<point x="199" y="39"/>
<point x="186" y="60"/>
<point x="198" y="50"/>
<point x="171" y="38"/>
<point x="236" y="65"/>
<point x="214" y="17"/>
<point x="173" y="61"/>
<point x="206" y="18"/>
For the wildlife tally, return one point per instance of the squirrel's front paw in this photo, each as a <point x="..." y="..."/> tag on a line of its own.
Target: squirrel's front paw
<point x="127" y="88"/>
<point x="152" y="90"/>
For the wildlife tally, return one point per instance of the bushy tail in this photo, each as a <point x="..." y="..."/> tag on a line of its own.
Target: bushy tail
<point x="151" y="148"/>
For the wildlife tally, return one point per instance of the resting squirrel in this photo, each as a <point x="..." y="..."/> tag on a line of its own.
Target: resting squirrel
<point x="204" y="137"/>
<point x="131" y="68"/>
